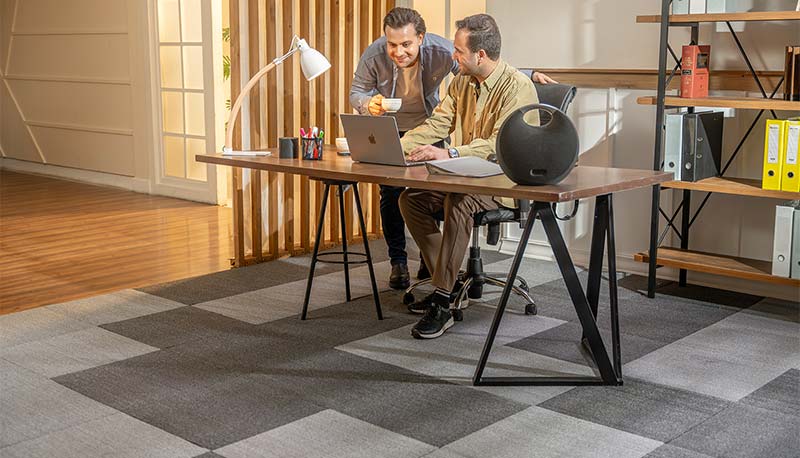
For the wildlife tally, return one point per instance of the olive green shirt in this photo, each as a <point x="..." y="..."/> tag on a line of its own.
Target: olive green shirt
<point x="472" y="113"/>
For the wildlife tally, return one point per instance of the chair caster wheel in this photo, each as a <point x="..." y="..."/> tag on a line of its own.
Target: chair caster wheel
<point x="408" y="298"/>
<point x="530" y="309"/>
<point x="458" y="314"/>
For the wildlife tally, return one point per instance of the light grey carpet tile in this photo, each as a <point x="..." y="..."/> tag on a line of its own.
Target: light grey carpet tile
<point x="729" y="359"/>
<point x="670" y="451"/>
<point x="35" y="324"/>
<point x="443" y="453"/>
<point x="117" y="435"/>
<point x="454" y="356"/>
<point x="74" y="351"/>
<point x="327" y="434"/>
<point x="543" y="433"/>
<point x="167" y="329"/>
<point x="782" y="394"/>
<point x="118" y="306"/>
<point x="640" y="408"/>
<point x="31" y="405"/>
<point x="190" y="398"/>
<point x="281" y="301"/>
<point x="564" y="342"/>
<point x="742" y="431"/>
<point x="534" y="271"/>
<point x="228" y="283"/>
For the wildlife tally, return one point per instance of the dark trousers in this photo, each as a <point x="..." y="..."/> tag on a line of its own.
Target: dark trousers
<point x="394" y="227"/>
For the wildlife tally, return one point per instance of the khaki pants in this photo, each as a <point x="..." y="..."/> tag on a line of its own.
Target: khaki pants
<point x="443" y="251"/>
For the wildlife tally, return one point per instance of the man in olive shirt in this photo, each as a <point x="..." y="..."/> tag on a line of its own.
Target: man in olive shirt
<point x="484" y="94"/>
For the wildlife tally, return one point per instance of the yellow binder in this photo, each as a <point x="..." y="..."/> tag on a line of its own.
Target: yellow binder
<point x="790" y="181"/>
<point x="774" y="152"/>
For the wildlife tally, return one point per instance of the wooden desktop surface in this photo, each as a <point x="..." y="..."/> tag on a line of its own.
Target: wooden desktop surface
<point x="582" y="182"/>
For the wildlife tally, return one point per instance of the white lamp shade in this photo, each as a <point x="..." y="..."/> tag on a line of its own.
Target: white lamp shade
<point x="312" y="62"/>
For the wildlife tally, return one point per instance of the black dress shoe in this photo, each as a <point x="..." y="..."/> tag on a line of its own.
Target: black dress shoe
<point x="399" y="278"/>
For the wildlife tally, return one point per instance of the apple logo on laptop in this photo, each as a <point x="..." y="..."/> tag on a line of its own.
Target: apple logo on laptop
<point x="372" y="139"/>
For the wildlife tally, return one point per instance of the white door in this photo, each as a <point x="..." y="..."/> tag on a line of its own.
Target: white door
<point x="188" y="103"/>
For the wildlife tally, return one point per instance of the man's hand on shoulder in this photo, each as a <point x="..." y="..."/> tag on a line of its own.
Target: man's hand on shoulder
<point x="541" y="78"/>
<point x="375" y="108"/>
<point x="427" y="153"/>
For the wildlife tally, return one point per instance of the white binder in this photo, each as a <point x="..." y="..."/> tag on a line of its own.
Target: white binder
<point x="697" y="6"/>
<point x="782" y="246"/>
<point x="680" y="6"/>
<point x="673" y="145"/>
<point x="795" y="269"/>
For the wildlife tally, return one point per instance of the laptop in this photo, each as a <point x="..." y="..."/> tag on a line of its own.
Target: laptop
<point x="374" y="139"/>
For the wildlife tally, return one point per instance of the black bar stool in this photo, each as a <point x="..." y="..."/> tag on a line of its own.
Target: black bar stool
<point x="342" y="185"/>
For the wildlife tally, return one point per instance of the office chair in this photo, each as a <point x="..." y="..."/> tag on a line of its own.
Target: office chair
<point x="470" y="282"/>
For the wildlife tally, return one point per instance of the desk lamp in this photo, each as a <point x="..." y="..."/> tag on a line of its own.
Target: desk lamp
<point x="313" y="64"/>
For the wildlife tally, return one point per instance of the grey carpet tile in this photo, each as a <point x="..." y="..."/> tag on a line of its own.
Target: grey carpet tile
<point x="543" y="433"/>
<point x="117" y="306"/>
<point x="781" y="394"/>
<point x="745" y="431"/>
<point x="327" y="434"/>
<point x="777" y="309"/>
<point x="670" y="451"/>
<point x="564" y="343"/>
<point x="641" y="408"/>
<point x="118" y="435"/>
<point x="209" y="455"/>
<point x="74" y="351"/>
<point x="31" y="405"/>
<point x="168" y="329"/>
<point x="36" y="324"/>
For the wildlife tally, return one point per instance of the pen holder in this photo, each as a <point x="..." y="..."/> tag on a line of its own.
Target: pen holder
<point x="311" y="148"/>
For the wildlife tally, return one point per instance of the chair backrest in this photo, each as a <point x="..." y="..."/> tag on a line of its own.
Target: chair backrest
<point x="556" y="95"/>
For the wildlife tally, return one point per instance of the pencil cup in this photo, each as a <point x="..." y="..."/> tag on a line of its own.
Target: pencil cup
<point x="312" y="148"/>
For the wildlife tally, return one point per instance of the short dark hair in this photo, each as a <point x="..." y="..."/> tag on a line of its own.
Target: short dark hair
<point x="400" y="17"/>
<point x="483" y="34"/>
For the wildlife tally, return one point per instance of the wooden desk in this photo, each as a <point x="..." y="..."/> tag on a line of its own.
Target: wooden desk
<point x="582" y="182"/>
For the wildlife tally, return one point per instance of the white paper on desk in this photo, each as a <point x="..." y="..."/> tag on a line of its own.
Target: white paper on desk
<point x="246" y="153"/>
<point x="469" y="166"/>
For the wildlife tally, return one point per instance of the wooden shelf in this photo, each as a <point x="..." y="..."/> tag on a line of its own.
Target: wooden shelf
<point x="722" y="17"/>
<point x="737" y="186"/>
<point x="717" y="264"/>
<point x="748" y="103"/>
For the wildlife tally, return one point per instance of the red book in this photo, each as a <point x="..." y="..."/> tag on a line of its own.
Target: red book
<point x="694" y="71"/>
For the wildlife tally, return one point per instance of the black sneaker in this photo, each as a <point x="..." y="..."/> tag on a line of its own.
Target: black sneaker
<point x="399" y="278"/>
<point x="436" y="321"/>
<point x="423" y="273"/>
<point x="421" y="306"/>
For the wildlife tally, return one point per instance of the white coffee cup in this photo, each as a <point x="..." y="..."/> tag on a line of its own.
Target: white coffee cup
<point x="341" y="143"/>
<point x="391" y="105"/>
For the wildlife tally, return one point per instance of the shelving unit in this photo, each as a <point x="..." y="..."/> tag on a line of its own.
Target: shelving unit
<point x="682" y="258"/>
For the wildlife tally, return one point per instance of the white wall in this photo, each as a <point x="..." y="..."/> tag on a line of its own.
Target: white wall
<point x="73" y="95"/>
<point x="615" y="131"/>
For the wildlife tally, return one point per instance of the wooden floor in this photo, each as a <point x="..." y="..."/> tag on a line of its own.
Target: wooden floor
<point x="61" y="240"/>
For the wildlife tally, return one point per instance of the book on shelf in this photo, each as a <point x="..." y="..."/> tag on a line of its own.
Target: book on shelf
<point x="468" y="166"/>
<point x="791" y="74"/>
<point x="694" y="71"/>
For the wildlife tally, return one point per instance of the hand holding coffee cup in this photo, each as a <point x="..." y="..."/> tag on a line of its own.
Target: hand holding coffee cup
<point x="391" y="105"/>
<point x="375" y="108"/>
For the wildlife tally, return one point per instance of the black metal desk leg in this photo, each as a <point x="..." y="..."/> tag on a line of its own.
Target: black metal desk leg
<point x="363" y="226"/>
<point x="579" y="300"/>
<point x="343" y="223"/>
<point x="653" y="249"/>
<point x="596" y="252"/>
<point x="320" y="226"/>
<point x="612" y="289"/>
<point x="501" y="307"/>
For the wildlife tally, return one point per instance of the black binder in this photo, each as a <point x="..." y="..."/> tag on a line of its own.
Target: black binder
<point x="702" y="145"/>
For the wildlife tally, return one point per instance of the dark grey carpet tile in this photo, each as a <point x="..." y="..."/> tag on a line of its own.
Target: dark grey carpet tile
<point x="745" y="431"/>
<point x="191" y="398"/>
<point x="417" y="406"/>
<point x="209" y="455"/>
<point x="564" y="342"/>
<point x="694" y="292"/>
<point x="781" y="394"/>
<point x="670" y="451"/>
<point x="209" y="287"/>
<point x="641" y="408"/>
<point x="663" y="319"/>
<point x="173" y="327"/>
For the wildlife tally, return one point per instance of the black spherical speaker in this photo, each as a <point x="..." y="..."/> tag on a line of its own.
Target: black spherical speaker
<point x="537" y="155"/>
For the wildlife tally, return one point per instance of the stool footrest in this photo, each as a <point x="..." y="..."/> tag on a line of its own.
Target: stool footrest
<point x="341" y="253"/>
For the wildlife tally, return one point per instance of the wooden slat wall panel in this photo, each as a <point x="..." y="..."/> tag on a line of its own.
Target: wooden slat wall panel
<point x="340" y="29"/>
